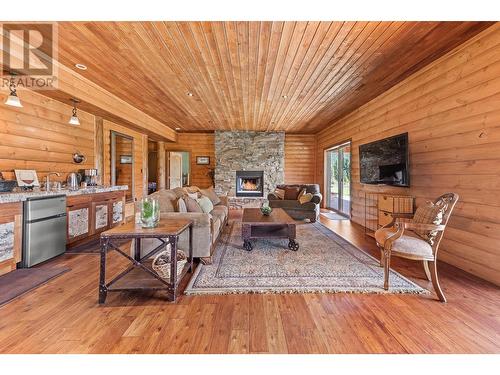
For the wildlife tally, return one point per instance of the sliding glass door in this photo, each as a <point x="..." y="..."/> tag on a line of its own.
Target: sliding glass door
<point x="338" y="178"/>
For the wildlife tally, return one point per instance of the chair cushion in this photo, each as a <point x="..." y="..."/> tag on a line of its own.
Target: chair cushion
<point x="192" y="205"/>
<point x="220" y="212"/>
<point x="310" y="188"/>
<point x="194" y="196"/>
<point x="179" y="192"/>
<point x="280" y="193"/>
<point x="181" y="206"/>
<point x="291" y="192"/>
<point x="293" y="205"/>
<point x="409" y="243"/>
<point x="205" y="204"/>
<point x="304" y="198"/>
<point x="217" y="223"/>
<point x="166" y="198"/>
<point x="429" y="213"/>
<point x="285" y="203"/>
<point x="210" y="193"/>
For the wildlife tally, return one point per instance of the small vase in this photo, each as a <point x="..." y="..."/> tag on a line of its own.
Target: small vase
<point x="150" y="212"/>
<point x="266" y="209"/>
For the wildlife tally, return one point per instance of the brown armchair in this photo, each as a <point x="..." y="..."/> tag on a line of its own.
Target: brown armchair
<point x="400" y="239"/>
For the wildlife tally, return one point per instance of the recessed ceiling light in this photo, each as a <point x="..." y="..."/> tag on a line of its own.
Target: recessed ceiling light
<point x="177" y="128"/>
<point x="189" y="93"/>
<point x="284" y="96"/>
<point x="81" y="66"/>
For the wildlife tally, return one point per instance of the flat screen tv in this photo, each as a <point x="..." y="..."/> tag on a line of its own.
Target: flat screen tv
<point x="385" y="161"/>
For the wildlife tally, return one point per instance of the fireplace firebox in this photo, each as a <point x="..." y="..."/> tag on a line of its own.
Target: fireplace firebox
<point x="249" y="183"/>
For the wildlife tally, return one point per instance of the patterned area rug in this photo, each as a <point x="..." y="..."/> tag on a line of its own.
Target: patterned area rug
<point x="325" y="263"/>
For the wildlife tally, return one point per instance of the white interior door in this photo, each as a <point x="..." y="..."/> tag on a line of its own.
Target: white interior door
<point x="175" y="170"/>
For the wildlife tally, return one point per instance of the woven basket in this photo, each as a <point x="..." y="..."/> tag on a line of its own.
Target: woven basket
<point x="161" y="263"/>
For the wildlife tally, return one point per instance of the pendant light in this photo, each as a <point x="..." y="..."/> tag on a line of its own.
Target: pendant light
<point x="74" y="118"/>
<point x="13" y="100"/>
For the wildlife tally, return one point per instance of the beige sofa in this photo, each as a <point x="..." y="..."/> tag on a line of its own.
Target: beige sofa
<point x="207" y="227"/>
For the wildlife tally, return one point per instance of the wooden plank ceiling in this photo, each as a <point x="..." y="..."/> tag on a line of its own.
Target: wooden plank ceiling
<point x="287" y="76"/>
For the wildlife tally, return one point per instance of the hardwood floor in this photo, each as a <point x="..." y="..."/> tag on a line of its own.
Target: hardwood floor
<point x="63" y="316"/>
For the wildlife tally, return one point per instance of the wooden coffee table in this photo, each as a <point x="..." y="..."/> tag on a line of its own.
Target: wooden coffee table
<point x="278" y="224"/>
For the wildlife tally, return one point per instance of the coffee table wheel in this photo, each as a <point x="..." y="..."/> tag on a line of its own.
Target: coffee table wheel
<point x="293" y="245"/>
<point x="247" y="245"/>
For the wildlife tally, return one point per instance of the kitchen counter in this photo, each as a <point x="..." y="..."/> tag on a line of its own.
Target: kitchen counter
<point x="23" y="195"/>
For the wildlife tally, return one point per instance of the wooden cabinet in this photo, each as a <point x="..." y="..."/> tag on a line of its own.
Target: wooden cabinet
<point x="117" y="211"/>
<point x="379" y="208"/>
<point x="384" y="218"/>
<point x="91" y="214"/>
<point x="100" y="215"/>
<point x="79" y="213"/>
<point x="11" y="229"/>
<point x="401" y="204"/>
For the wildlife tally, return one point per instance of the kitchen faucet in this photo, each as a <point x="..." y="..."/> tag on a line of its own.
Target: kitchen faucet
<point x="47" y="180"/>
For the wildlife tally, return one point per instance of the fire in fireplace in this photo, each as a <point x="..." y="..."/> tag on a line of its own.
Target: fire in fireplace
<point x="249" y="183"/>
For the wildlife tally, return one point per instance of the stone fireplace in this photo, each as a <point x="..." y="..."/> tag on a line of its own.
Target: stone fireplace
<point x="249" y="183"/>
<point x="249" y="155"/>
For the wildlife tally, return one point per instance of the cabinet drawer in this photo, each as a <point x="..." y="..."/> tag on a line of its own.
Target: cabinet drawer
<point x="386" y="203"/>
<point x="384" y="218"/>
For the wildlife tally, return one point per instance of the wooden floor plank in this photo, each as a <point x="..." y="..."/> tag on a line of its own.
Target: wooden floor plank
<point x="63" y="316"/>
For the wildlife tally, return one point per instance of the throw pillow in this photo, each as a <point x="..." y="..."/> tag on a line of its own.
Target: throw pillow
<point x="429" y="213"/>
<point x="192" y="205"/>
<point x="192" y="189"/>
<point x="180" y="205"/>
<point x="206" y="204"/>
<point x="193" y="195"/>
<point x="210" y="193"/>
<point x="304" y="198"/>
<point x="280" y="193"/>
<point x="302" y="192"/>
<point x="291" y="193"/>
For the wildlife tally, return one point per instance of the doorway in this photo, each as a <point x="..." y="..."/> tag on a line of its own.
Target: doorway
<point x="152" y="167"/>
<point x="338" y="178"/>
<point x="178" y="169"/>
<point x="122" y="162"/>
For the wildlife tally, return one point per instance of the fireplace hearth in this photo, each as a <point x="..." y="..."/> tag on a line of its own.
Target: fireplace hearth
<point x="249" y="183"/>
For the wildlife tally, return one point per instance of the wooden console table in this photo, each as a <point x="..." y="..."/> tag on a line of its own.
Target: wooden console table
<point x="138" y="276"/>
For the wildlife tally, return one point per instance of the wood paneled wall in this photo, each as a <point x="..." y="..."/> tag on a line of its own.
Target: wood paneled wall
<point x="39" y="137"/>
<point x="197" y="144"/>
<point x="451" y="110"/>
<point x="300" y="158"/>
<point x="138" y="150"/>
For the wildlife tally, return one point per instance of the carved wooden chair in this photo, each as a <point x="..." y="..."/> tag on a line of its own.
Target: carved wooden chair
<point x="416" y="240"/>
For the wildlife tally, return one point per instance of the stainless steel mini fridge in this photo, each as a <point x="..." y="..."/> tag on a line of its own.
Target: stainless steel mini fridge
<point x="44" y="229"/>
